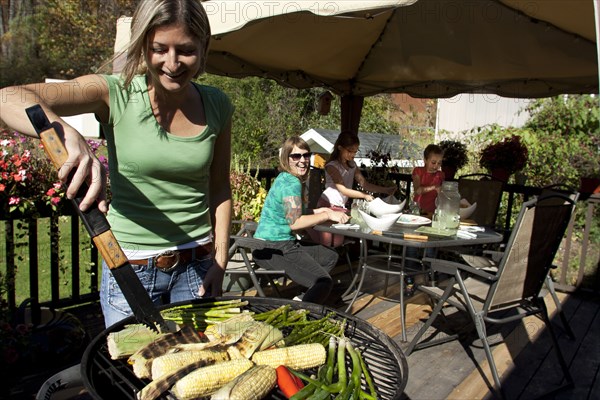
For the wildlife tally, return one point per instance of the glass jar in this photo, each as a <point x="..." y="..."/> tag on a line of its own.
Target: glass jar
<point x="448" y="208"/>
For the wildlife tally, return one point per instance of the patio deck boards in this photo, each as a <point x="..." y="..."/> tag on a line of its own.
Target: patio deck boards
<point x="456" y="370"/>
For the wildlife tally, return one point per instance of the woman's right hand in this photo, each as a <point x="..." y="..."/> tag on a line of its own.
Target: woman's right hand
<point x="87" y="168"/>
<point x="338" y="216"/>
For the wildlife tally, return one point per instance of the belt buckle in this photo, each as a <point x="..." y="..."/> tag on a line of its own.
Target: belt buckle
<point x="168" y="254"/>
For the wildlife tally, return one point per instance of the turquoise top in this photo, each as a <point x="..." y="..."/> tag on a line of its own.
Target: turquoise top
<point x="273" y="224"/>
<point x="159" y="181"/>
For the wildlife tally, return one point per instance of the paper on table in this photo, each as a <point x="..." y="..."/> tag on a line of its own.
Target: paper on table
<point x="346" y="226"/>
<point x="472" y="228"/>
<point x="465" y="235"/>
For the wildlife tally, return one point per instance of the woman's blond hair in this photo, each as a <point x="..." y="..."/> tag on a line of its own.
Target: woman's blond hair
<point x="151" y="14"/>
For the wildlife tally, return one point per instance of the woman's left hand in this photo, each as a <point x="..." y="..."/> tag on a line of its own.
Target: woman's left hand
<point x="212" y="285"/>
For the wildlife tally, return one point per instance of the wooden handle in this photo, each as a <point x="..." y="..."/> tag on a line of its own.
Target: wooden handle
<point x="54" y="147"/>
<point x="110" y="250"/>
<point x="410" y="236"/>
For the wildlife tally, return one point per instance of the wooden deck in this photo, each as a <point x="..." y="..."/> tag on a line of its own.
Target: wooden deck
<point x="523" y="352"/>
<point x="458" y="369"/>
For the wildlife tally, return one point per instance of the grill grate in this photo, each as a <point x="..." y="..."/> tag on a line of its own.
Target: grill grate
<point x="111" y="379"/>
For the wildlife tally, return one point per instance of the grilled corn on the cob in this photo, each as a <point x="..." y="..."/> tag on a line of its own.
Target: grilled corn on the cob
<point x="299" y="357"/>
<point x="253" y="384"/>
<point x="206" y="380"/>
<point x="171" y="362"/>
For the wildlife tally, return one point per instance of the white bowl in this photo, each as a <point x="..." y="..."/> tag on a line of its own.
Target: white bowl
<point x="466" y="212"/>
<point x="379" y="224"/>
<point x="379" y="208"/>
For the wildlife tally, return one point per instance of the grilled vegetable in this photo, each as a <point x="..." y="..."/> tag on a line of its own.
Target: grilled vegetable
<point x="299" y="357"/>
<point x="169" y="363"/>
<point x="142" y="359"/>
<point x="124" y="343"/>
<point x="253" y="384"/>
<point x="206" y="380"/>
<point x="231" y="330"/>
<point x="157" y="387"/>
<point x="200" y="315"/>
<point x="288" y="383"/>
<point x="258" y="336"/>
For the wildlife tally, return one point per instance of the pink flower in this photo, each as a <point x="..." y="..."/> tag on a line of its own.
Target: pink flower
<point x="55" y="201"/>
<point x="13" y="200"/>
<point x="2" y="187"/>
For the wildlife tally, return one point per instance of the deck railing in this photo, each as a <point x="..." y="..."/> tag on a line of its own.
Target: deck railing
<point x="83" y="260"/>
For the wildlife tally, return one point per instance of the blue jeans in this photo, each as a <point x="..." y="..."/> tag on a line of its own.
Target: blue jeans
<point x="181" y="284"/>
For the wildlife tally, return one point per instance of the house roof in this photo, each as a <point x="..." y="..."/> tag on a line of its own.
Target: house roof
<point x="322" y="141"/>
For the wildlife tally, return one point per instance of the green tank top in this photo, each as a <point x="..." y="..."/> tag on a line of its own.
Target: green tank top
<point x="159" y="182"/>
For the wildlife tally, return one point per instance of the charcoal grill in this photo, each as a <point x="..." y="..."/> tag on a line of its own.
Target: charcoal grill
<point x="114" y="379"/>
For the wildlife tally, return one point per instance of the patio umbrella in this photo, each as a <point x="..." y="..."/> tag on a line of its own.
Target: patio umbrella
<point x="425" y="48"/>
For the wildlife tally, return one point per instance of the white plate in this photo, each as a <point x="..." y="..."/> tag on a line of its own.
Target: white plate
<point x="413" y="220"/>
<point x="346" y="226"/>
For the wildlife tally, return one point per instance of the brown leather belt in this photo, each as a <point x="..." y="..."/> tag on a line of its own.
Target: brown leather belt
<point x="170" y="259"/>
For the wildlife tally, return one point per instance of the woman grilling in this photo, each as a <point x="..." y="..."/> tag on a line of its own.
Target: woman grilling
<point x="169" y="154"/>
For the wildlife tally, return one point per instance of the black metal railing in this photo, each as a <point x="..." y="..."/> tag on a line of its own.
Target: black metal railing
<point x="71" y="254"/>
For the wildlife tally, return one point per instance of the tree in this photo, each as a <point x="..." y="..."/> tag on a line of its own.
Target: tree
<point x="565" y="128"/>
<point x="57" y="38"/>
<point x="268" y="113"/>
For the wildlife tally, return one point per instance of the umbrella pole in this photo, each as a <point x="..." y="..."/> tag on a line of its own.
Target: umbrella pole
<point x="597" y="22"/>
<point x="351" y="109"/>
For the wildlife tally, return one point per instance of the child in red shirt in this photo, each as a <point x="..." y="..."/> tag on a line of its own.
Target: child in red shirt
<point x="427" y="180"/>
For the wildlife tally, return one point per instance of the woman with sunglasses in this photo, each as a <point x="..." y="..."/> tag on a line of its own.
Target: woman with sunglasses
<point x="284" y="212"/>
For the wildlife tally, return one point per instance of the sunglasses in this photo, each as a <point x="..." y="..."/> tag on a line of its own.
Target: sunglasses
<point x="298" y="156"/>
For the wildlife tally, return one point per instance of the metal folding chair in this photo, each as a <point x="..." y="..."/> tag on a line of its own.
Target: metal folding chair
<point x="512" y="291"/>
<point x="243" y="243"/>
<point x="487" y="192"/>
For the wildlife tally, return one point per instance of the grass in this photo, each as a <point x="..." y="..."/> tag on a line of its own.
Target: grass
<point x="44" y="247"/>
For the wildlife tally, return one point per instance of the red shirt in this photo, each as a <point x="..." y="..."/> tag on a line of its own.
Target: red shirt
<point x="426" y="201"/>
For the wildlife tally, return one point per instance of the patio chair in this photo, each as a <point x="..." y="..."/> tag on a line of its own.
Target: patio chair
<point x="487" y="192"/>
<point x="243" y="243"/>
<point x="489" y="261"/>
<point x="512" y="291"/>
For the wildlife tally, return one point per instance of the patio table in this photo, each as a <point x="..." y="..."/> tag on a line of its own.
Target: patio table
<point x="396" y="236"/>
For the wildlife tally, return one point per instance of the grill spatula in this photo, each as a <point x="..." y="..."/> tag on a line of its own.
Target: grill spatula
<point x="99" y="229"/>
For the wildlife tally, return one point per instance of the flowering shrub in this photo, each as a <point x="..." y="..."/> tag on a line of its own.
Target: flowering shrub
<point x="247" y="194"/>
<point x="510" y="154"/>
<point x="28" y="180"/>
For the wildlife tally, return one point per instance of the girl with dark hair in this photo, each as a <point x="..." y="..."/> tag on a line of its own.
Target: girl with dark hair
<point x="340" y="174"/>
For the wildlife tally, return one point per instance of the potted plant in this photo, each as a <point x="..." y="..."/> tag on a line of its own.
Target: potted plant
<point x="587" y="164"/>
<point x="505" y="157"/>
<point x="455" y="157"/>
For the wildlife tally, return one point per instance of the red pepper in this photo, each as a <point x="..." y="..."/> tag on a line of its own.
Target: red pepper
<point x="289" y="383"/>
